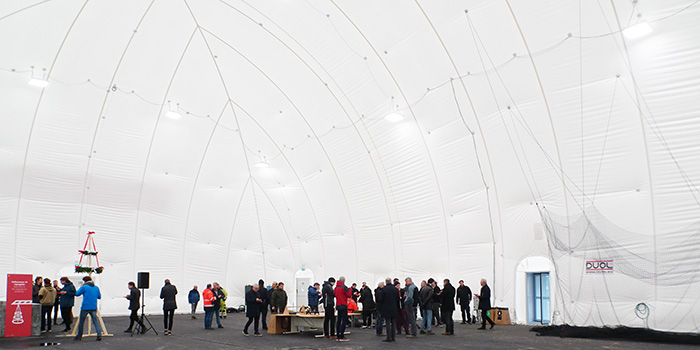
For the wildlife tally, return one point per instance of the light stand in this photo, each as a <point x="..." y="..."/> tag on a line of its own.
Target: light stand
<point x="140" y="326"/>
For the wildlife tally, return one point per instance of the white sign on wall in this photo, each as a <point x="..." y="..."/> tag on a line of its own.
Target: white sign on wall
<point x="599" y="266"/>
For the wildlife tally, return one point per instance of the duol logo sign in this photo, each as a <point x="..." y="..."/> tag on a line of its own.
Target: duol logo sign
<point x="599" y="266"/>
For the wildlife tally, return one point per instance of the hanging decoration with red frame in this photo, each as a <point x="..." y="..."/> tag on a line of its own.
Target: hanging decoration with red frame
<point x="89" y="250"/>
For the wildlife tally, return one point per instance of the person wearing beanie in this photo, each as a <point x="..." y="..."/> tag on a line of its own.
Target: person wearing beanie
<point x="262" y="294"/>
<point x="91" y="293"/>
<point x="47" y="298"/>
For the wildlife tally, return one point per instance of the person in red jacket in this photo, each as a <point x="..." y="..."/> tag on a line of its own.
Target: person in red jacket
<point x="208" y="298"/>
<point x="342" y="293"/>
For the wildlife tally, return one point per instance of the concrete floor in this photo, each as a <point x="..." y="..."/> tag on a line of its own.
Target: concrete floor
<point x="190" y="334"/>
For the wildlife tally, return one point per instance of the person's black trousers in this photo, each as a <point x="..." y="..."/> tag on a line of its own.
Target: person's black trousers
<point x="485" y="318"/>
<point x="390" y="329"/>
<point x="133" y="317"/>
<point x="436" y="315"/>
<point x="329" y="323"/>
<point x="342" y="322"/>
<point x="255" y="319"/>
<point x="168" y="319"/>
<point x="67" y="316"/>
<point x="263" y="316"/>
<point x="55" y="312"/>
<point x="465" y="311"/>
<point x="46" y="317"/>
<point x="367" y="317"/>
<point x="448" y="321"/>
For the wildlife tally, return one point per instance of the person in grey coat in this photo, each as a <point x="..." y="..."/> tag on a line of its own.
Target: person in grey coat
<point x="426" y="307"/>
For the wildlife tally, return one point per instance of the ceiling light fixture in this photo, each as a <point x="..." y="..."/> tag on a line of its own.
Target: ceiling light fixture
<point x="394" y="117"/>
<point x="173" y="114"/>
<point x="262" y="162"/>
<point x="638" y="30"/>
<point x="41" y="83"/>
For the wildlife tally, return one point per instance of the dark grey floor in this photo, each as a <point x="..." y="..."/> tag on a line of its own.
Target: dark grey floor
<point x="189" y="334"/>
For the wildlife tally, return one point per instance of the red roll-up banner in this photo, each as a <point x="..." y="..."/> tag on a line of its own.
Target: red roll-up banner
<point x="18" y="310"/>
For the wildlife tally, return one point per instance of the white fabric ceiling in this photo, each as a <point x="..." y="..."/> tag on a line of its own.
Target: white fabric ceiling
<point x="517" y="115"/>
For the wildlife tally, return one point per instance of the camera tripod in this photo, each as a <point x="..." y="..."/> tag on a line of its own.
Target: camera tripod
<point x="140" y="327"/>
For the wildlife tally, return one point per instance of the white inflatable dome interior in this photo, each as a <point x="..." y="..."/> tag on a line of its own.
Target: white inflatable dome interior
<point x="237" y="140"/>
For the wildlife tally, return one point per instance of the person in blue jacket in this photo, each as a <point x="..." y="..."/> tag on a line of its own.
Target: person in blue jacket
<point x="193" y="298"/>
<point x="66" y="302"/>
<point x="314" y="294"/>
<point x="90" y="293"/>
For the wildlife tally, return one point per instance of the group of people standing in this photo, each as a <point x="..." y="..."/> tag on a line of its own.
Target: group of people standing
<point x="214" y="298"/>
<point x="257" y="301"/>
<point x="53" y="297"/>
<point x="167" y="293"/>
<point x="396" y="307"/>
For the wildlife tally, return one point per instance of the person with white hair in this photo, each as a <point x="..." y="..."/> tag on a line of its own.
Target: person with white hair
<point x="485" y="304"/>
<point x="253" y="304"/>
<point x="342" y="293"/>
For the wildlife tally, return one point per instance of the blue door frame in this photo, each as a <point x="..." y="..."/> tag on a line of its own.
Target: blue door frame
<point x="538" y="298"/>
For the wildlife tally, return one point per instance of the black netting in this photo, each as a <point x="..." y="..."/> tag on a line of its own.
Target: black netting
<point x="594" y="237"/>
<point x="624" y="333"/>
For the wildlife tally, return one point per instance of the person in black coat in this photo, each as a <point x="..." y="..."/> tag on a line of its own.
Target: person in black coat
<point x="464" y="296"/>
<point x="167" y="293"/>
<point x="262" y="294"/>
<point x="368" y="305"/>
<point x="253" y="303"/>
<point x="355" y="292"/>
<point x="328" y="299"/>
<point x="437" y="299"/>
<point x="485" y="304"/>
<point x="56" y="302"/>
<point x="66" y="302"/>
<point x="36" y="288"/>
<point x="379" y="298"/>
<point x="447" y="307"/>
<point x="134" y="305"/>
<point x="390" y="308"/>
